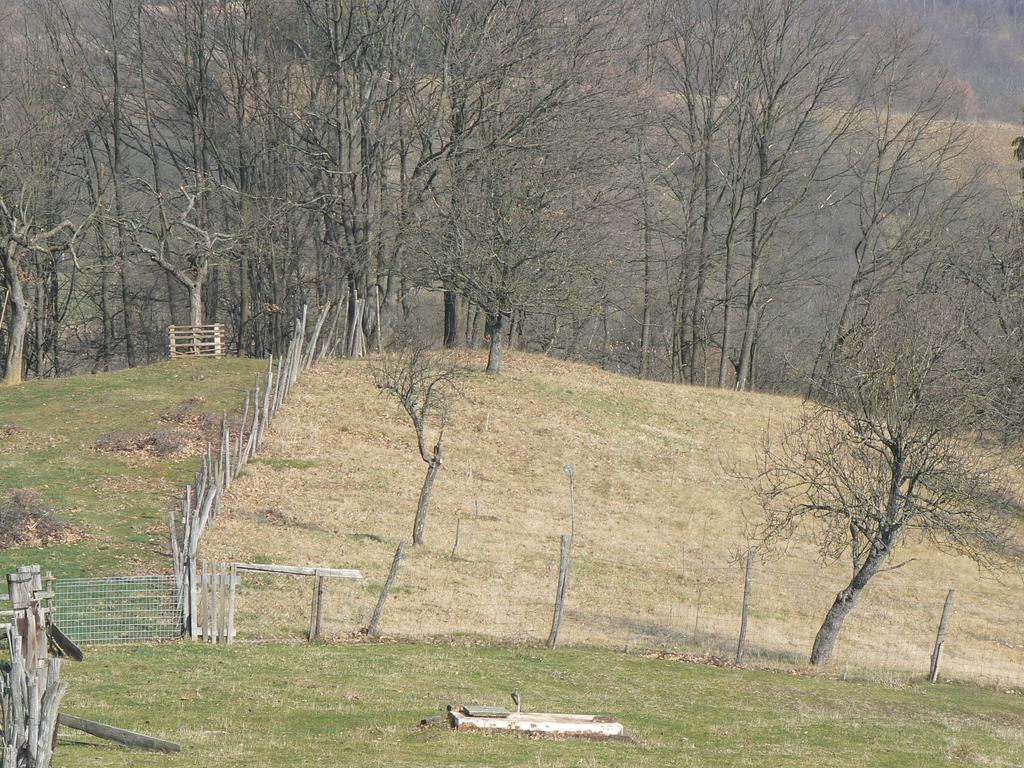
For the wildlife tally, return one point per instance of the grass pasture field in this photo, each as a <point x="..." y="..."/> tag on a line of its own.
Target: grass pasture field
<point x="359" y="705"/>
<point x="664" y="512"/>
<point x="116" y="501"/>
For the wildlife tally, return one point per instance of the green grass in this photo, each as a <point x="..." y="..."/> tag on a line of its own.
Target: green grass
<point x="119" y="502"/>
<point x="359" y="705"/>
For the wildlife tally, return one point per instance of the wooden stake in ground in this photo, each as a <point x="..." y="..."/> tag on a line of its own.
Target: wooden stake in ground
<point x="940" y="638"/>
<point x="231" y="603"/>
<point x="458" y="531"/>
<point x="563" y="583"/>
<point x="748" y="572"/>
<point x="570" y="472"/>
<point x="316" y="612"/>
<point x="371" y="629"/>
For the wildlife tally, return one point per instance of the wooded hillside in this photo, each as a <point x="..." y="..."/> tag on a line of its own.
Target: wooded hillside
<point x="708" y="192"/>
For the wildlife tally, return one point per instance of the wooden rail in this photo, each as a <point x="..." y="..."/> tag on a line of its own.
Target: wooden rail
<point x="298" y="570"/>
<point x="196" y="340"/>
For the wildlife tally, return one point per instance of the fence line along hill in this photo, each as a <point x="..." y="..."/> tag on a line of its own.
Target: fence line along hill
<point x="663" y="512"/>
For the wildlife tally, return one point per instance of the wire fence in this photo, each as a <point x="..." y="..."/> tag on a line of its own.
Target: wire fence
<point x="119" y="609"/>
<point x="686" y="606"/>
<point x="682" y="606"/>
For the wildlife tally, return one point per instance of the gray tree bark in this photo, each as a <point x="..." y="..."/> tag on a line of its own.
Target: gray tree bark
<point x="495" y="323"/>
<point x="13" y="372"/>
<point x="419" y="524"/>
<point x="825" y="640"/>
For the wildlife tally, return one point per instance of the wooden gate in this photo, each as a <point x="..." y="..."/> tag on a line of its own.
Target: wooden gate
<point x="213" y="603"/>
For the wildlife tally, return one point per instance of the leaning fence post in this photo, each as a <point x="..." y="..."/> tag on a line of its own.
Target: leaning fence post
<point x="458" y="530"/>
<point x="371" y="628"/>
<point x="563" y="581"/>
<point x="940" y="638"/>
<point x="741" y="646"/>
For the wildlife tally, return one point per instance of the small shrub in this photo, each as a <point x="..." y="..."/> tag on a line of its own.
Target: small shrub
<point x="25" y="521"/>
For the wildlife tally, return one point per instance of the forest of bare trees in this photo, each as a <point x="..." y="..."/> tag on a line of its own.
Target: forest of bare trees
<point x="712" y="191"/>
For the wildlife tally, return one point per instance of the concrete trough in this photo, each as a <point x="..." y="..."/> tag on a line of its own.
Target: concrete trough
<point x="588" y="726"/>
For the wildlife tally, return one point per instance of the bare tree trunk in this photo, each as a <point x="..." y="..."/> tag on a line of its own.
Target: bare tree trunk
<point x="645" y="225"/>
<point x="126" y="308"/>
<point x="494" y="328"/>
<point x="723" y="361"/>
<point x="244" y="310"/>
<point x="750" y="325"/>
<point x="18" y="317"/>
<point x="825" y="640"/>
<point x="451" y="319"/>
<point x="420" y="522"/>
<point x="195" y="302"/>
<point x="698" y="343"/>
<point x="39" y="316"/>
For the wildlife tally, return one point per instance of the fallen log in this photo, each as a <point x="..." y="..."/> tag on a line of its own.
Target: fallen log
<point x="119" y="735"/>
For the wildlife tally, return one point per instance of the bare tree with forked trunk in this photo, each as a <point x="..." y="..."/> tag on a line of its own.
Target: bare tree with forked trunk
<point x="889" y="453"/>
<point x="424" y="383"/>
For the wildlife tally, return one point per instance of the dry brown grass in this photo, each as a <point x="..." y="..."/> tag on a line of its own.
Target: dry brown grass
<point x="661" y="523"/>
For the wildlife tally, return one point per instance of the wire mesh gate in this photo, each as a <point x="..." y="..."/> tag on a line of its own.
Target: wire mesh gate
<point x="119" y="609"/>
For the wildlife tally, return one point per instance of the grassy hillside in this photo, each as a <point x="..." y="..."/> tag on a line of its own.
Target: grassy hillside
<point x="359" y="705"/>
<point x="661" y="519"/>
<point x="663" y="514"/>
<point x="70" y="442"/>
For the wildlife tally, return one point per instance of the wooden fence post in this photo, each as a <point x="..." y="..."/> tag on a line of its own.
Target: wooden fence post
<point x="32" y="690"/>
<point x="741" y="646"/>
<point x="371" y="628"/>
<point x="563" y="580"/>
<point x="940" y="638"/>
<point x="458" y="531"/>
<point x="316" y="610"/>
<point x="233" y="576"/>
<point x="205" y="599"/>
<point x="208" y="604"/>
<point x="222" y="599"/>
<point x="193" y="598"/>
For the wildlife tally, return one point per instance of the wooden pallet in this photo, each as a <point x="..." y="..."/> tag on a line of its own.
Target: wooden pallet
<point x="196" y="340"/>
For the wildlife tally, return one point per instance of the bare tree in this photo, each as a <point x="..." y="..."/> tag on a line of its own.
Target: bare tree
<point x="424" y="383"/>
<point x="21" y="233"/>
<point x="199" y="246"/>
<point x="802" y="102"/>
<point x="889" y="454"/>
<point x="905" y="186"/>
<point x="706" y="58"/>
